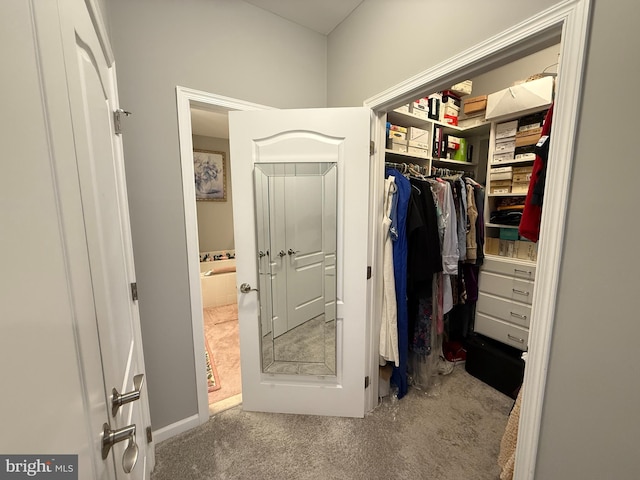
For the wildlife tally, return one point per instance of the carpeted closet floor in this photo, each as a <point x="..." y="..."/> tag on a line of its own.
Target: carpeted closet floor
<point x="452" y="434"/>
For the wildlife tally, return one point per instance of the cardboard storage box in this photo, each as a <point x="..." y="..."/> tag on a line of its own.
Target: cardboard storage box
<point x="528" y="137"/>
<point x="399" y="147"/>
<point x="492" y="245"/>
<point x="395" y="135"/>
<point x="403" y="109"/>
<point x="528" y="169"/>
<point x="507" y="129"/>
<point x="520" y="187"/>
<point x="502" y="189"/>
<point x="419" y="136"/>
<point x="451" y="120"/>
<point x="501" y="173"/>
<point x="462" y="88"/>
<point x="526" y="250"/>
<point x="502" y="158"/>
<point x="475" y="104"/>
<point x="419" y="112"/>
<point x="521" y="177"/>
<point x="420" y="152"/>
<point x="507" y="145"/>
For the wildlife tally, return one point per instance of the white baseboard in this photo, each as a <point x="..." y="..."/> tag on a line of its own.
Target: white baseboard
<point x="176" y="428"/>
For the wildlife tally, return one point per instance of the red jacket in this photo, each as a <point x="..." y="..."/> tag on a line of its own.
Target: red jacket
<point x="530" y="222"/>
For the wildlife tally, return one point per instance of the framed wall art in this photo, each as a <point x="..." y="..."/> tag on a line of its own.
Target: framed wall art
<point x="210" y="175"/>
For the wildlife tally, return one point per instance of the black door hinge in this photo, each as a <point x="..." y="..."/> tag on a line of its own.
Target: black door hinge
<point x="134" y="291"/>
<point x="366" y="381"/>
<point x="368" y="273"/>
<point x="149" y="435"/>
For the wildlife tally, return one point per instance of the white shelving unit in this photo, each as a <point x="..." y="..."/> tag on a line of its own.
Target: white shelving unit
<point x="474" y="130"/>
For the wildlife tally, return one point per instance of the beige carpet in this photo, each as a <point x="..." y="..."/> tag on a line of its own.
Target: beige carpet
<point x="221" y="331"/>
<point x="452" y="436"/>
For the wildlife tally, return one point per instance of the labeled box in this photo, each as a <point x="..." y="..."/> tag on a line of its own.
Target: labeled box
<point x="395" y="135"/>
<point x="502" y="189"/>
<point x="519" y="187"/>
<point x="506" y="145"/>
<point x="451" y="120"/>
<point x="399" y="147"/>
<point x="521" y="177"/>
<point x="526" y="250"/>
<point x="528" y="169"/>
<point x="528" y="137"/>
<point x="501" y="173"/>
<point x="403" y="108"/>
<point x="502" y="158"/>
<point x="506" y="129"/>
<point x="509" y="234"/>
<point x="418" y="135"/>
<point x="419" y="112"/>
<point x="419" y="152"/>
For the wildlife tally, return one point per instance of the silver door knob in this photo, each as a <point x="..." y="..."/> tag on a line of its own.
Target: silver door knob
<point x="246" y="288"/>
<point x="119" y="399"/>
<point x="281" y="253"/>
<point x="261" y="254"/>
<point x="291" y="251"/>
<point x="111" y="437"/>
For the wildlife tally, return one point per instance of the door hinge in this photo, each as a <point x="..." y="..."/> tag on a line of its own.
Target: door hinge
<point x="117" y="120"/>
<point x="149" y="435"/>
<point x="366" y="381"/>
<point x="134" y="291"/>
<point x="368" y="273"/>
<point x="372" y="147"/>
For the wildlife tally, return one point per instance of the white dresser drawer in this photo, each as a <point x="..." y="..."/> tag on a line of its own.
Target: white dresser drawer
<point x="507" y="310"/>
<point x="502" y="331"/>
<point x="509" y="267"/>
<point x="507" y="287"/>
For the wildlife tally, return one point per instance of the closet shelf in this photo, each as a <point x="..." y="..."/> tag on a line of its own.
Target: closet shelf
<point x="499" y="225"/>
<point x="454" y="162"/>
<point x="410" y="120"/>
<point x="507" y="195"/>
<point x="406" y="155"/>
<point x="511" y="162"/>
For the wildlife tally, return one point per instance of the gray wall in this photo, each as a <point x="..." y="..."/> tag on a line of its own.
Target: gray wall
<point x="590" y="425"/>
<point x="215" y="219"/>
<point x="517" y="70"/>
<point x="227" y="47"/>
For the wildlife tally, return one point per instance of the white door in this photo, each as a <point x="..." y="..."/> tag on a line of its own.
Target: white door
<point x="304" y="243"/>
<point x="91" y="87"/>
<point x="335" y="136"/>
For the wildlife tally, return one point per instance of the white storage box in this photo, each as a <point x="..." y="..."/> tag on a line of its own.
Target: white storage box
<point x="507" y="129"/>
<point x="520" y="99"/>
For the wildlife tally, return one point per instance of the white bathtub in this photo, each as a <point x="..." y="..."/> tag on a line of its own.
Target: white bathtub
<point x="219" y="288"/>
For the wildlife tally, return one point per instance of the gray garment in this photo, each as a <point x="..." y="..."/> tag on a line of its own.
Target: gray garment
<point x="462" y="222"/>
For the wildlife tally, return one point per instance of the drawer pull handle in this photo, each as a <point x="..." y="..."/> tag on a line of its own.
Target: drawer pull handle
<point x="515" y="339"/>
<point x="520" y="292"/>
<point x="517" y="315"/>
<point x="517" y="270"/>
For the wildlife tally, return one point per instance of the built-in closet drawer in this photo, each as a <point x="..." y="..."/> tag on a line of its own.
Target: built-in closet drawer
<point x="508" y="287"/>
<point x="507" y="310"/>
<point x="504" y="332"/>
<point x="510" y="268"/>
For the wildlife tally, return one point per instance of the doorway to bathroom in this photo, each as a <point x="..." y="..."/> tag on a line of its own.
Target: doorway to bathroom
<point x="216" y="254"/>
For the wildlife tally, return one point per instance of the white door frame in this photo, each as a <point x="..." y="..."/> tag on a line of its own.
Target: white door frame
<point x="186" y="98"/>
<point x="570" y="19"/>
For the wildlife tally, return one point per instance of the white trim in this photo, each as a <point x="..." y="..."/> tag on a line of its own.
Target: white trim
<point x="101" y="30"/>
<point x="176" y="428"/>
<point x="184" y="98"/>
<point x="572" y="17"/>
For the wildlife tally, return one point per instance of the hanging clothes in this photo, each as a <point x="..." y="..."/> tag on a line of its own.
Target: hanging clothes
<point x="472" y="214"/>
<point x="400" y="252"/>
<point x="532" y="214"/>
<point x="389" y="324"/>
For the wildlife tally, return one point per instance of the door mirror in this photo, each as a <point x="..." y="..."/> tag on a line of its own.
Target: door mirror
<point x="296" y="220"/>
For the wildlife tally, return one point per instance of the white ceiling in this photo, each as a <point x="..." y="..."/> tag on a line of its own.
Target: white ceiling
<point x="319" y="15"/>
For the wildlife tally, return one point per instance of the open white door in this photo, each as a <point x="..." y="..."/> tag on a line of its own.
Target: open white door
<point x="321" y="159"/>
